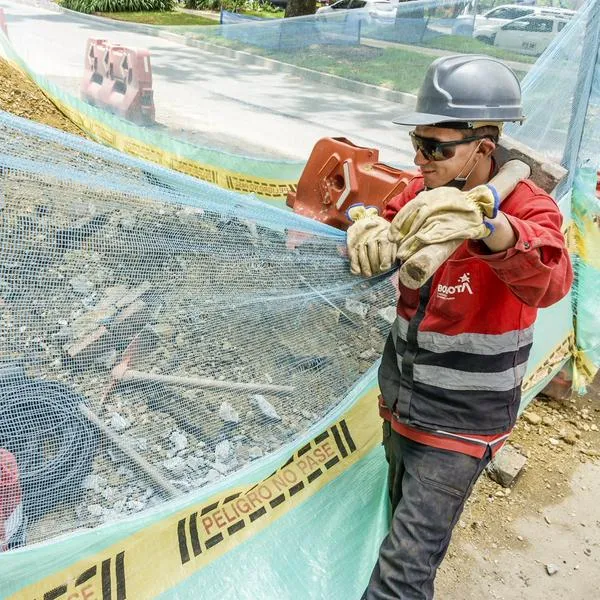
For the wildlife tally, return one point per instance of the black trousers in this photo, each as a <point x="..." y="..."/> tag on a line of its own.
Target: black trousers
<point x="428" y="488"/>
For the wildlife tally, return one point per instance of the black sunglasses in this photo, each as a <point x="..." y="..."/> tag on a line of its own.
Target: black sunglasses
<point x="433" y="149"/>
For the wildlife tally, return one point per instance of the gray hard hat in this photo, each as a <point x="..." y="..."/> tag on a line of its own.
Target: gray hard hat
<point x="466" y="88"/>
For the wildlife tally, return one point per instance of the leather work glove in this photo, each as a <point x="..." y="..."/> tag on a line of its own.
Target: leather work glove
<point x="369" y="249"/>
<point x="443" y="214"/>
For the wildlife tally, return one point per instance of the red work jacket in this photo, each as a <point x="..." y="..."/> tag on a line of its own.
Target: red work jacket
<point x="458" y="350"/>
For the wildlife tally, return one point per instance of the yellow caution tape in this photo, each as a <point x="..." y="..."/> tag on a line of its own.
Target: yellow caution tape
<point x="267" y="188"/>
<point x="167" y="552"/>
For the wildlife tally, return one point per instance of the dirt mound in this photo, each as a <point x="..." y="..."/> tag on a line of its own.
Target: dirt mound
<point x="20" y="96"/>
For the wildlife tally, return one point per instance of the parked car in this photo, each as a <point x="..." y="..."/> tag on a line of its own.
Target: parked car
<point x="372" y="9"/>
<point x="529" y="35"/>
<point x="484" y="27"/>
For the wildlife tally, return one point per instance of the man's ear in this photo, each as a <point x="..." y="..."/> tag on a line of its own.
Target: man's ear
<point x="487" y="147"/>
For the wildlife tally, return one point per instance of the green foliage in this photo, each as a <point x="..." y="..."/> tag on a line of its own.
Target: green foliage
<point x="261" y="8"/>
<point x="174" y="17"/>
<point x="257" y="7"/>
<point x="93" y="6"/>
<point x="465" y="45"/>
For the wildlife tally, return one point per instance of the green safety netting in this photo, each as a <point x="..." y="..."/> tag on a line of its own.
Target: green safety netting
<point x="188" y="373"/>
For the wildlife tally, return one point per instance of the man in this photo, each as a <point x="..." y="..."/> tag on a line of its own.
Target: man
<point x="453" y="364"/>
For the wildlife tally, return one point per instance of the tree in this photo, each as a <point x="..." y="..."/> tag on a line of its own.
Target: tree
<point x="298" y="8"/>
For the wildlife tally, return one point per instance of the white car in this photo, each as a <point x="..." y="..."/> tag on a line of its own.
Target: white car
<point x="372" y="9"/>
<point x="529" y="35"/>
<point x="485" y="26"/>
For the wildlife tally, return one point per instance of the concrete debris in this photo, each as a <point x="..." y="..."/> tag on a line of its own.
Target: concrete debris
<point x="141" y="444"/>
<point x="551" y="569"/>
<point x="136" y="505"/>
<point x="223" y="451"/>
<point x="228" y="413"/>
<point x="357" y="308"/>
<point x="118" y="422"/>
<point x="93" y="482"/>
<point x="175" y="465"/>
<point x="255" y="452"/>
<point x="110" y="494"/>
<point x="369" y="355"/>
<point x="149" y="312"/>
<point x="506" y="466"/>
<point x="95" y="510"/>
<point x="81" y="285"/>
<point x="265" y="407"/>
<point x="179" y="441"/>
<point x="569" y="438"/>
<point x="213" y="475"/>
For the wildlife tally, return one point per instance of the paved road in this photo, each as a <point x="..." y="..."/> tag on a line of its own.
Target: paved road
<point x="214" y="100"/>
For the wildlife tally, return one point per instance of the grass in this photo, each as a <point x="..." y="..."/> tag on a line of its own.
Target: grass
<point x="160" y="18"/>
<point x="265" y="14"/>
<point x="391" y="68"/>
<point x="465" y="45"/>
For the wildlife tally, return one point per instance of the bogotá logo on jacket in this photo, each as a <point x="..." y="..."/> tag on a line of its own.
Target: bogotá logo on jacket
<point x="449" y="292"/>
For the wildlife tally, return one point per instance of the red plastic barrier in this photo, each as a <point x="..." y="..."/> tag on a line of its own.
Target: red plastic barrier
<point x="119" y="80"/>
<point x="340" y="176"/>
<point x="3" y="22"/>
<point x="95" y="71"/>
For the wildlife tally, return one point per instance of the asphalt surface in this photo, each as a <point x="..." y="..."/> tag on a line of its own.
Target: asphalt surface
<point x="214" y="100"/>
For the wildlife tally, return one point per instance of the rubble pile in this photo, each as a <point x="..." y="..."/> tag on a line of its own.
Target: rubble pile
<point x="200" y="341"/>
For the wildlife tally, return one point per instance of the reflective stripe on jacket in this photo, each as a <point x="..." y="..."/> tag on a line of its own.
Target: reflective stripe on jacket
<point x="458" y="351"/>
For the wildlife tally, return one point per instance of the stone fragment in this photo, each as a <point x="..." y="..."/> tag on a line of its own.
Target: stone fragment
<point x="107" y="360"/>
<point x="532" y="418"/>
<point x="118" y="422"/>
<point x="551" y="569"/>
<point x="255" y="452"/>
<point x="93" y="482"/>
<point x="228" y="413"/>
<point x="265" y="407"/>
<point x="109" y="493"/>
<point x="175" y="465"/>
<point x="369" y="355"/>
<point x="81" y="284"/>
<point x="506" y="466"/>
<point x="358" y="308"/>
<point x="95" y="510"/>
<point x="213" y="475"/>
<point x="223" y="451"/>
<point x="136" y="505"/>
<point x="179" y="441"/>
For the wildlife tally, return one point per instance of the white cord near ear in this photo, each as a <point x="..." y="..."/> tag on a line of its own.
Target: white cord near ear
<point x="464" y="179"/>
